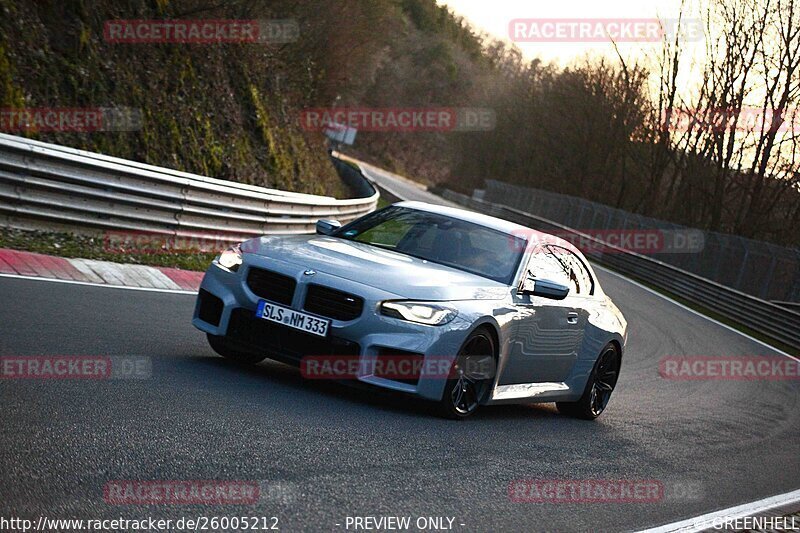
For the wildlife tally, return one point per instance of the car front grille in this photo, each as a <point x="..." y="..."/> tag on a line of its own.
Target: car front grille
<point x="332" y="303"/>
<point x="271" y="285"/>
<point x="280" y="342"/>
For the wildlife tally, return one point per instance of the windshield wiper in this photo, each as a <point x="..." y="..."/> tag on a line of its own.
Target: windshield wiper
<point x="379" y="245"/>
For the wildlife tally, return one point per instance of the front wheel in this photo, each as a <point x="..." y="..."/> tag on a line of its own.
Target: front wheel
<point x="470" y="381"/>
<point x="598" y="389"/>
<point x="219" y="345"/>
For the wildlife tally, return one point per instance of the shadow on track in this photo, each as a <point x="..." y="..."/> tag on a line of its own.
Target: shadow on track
<point x="264" y="377"/>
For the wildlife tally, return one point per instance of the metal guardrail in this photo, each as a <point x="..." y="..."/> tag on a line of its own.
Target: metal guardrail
<point x="790" y="305"/>
<point x="759" y="268"/>
<point x="46" y="185"/>
<point x="57" y="186"/>
<point x="764" y="317"/>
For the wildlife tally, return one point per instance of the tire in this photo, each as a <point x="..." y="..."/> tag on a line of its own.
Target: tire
<point x="467" y="388"/>
<point x="219" y="345"/>
<point x="598" y="388"/>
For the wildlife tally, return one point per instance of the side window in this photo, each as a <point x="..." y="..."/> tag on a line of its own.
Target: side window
<point x="584" y="276"/>
<point x="577" y="275"/>
<point x="545" y="265"/>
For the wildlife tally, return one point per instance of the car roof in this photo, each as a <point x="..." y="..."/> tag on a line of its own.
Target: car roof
<point x="470" y="216"/>
<point x="495" y="223"/>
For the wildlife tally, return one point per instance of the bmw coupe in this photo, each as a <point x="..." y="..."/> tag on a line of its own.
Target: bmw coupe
<point x="513" y="315"/>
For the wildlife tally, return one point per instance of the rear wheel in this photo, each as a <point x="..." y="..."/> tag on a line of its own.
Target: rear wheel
<point x="219" y="345"/>
<point x="469" y="381"/>
<point x="599" y="387"/>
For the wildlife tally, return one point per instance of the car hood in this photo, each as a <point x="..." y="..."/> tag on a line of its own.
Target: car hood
<point x="402" y="275"/>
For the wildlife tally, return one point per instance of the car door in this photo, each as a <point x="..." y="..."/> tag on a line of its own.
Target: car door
<point x="548" y="333"/>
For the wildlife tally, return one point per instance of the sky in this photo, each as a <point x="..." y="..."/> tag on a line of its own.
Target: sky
<point x="493" y="17"/>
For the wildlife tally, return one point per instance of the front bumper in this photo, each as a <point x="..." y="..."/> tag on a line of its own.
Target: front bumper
<point x="365" y="337"/>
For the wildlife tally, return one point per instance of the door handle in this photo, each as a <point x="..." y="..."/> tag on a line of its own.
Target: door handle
<point x="572" y="318"/>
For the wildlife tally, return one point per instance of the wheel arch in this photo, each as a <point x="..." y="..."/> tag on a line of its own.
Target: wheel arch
<point x="489" y="325"/>
<point x="618" y="344"/>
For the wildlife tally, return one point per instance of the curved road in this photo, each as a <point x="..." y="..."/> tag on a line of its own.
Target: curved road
<point x="322" y="452"/>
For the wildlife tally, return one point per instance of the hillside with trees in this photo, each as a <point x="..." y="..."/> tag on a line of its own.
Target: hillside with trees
<point x="603" y="129"/>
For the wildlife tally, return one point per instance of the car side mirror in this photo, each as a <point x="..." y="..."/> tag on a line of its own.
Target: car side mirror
<point x="544" y="288"/>
<point x="328" y="227"/>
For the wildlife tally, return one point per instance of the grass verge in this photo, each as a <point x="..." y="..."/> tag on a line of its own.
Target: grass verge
<point x="69" y="245"/>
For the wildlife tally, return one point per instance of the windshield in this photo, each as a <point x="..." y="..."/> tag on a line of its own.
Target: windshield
<point x="440" y="239"/>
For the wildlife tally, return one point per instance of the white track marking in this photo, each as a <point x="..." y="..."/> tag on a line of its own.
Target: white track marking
<point x="126" y="275"/>
<point x="698" y="313"/>
<point x="151" y="277"/>
<point x="86" y="270"/>
<point x="706" y="521"/>
<point x="131" y="278"/>
<point x="106" y="285"/>
<point x="101" y="269"/>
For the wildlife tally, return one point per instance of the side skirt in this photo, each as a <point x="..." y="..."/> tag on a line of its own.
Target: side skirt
<point x="544" y="392"/>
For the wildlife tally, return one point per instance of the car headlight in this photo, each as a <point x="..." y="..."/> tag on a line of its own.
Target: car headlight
<point x="421" y="313"/>
<point x="230" y="259"/>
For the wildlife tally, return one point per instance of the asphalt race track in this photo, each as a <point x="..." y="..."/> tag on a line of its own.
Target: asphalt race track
<point x="322" y="451"/>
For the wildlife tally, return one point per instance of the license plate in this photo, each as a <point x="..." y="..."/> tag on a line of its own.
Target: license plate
<point x="291" y="318"/>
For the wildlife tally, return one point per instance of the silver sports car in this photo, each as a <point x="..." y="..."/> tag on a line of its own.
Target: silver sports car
<point x="446" y="304"/>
